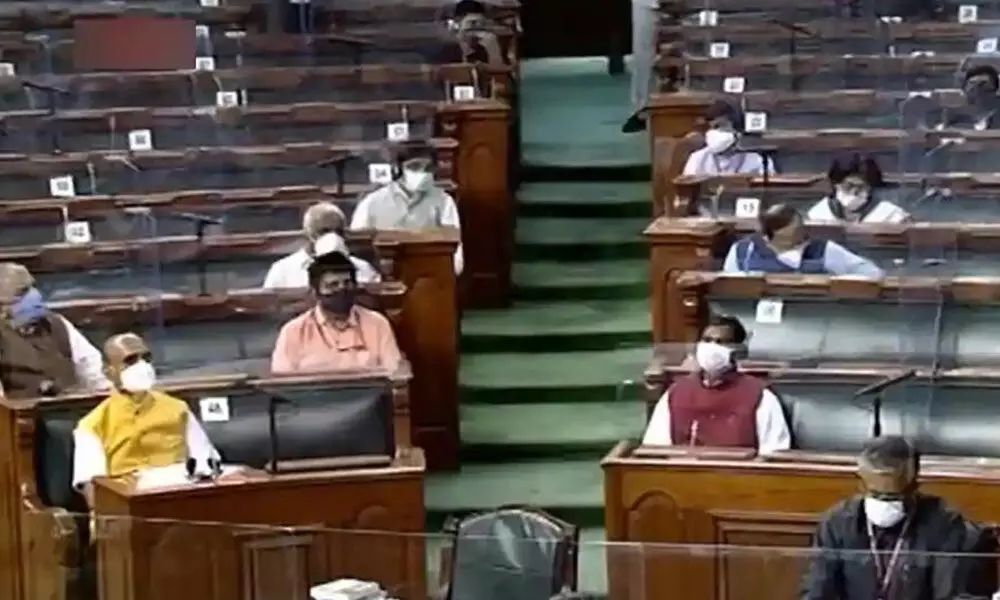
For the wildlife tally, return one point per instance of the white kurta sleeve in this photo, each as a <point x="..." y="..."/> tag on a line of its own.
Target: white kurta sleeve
<point x="89" y="458"/>
<point x="361" y="218"/>
<point x="87" y="359"/>
<point x="772" y="428"/>
<point x="658" y="429"/>
<point x="450" y="218"/>
<point x="199" y="446"/>
<point x="273" y="279"/>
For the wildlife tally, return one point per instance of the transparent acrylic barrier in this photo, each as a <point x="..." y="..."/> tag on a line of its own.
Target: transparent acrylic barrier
<point x="501" y="558"/>
<point x="194" y="267"/>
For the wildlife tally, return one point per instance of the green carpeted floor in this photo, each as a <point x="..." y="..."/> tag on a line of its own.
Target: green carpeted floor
<point x="542" y="394"/>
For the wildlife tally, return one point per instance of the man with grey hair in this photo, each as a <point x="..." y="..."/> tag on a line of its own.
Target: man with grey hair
<point x="411" y="201"/>
<point x="41" y="352"/>
<point x="911" y="539"/>
<point x="323" y="228"/>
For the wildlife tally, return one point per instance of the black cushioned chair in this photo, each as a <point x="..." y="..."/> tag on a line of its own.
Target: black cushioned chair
<point x="510" y="552"/>
<point x="323" y="420"/>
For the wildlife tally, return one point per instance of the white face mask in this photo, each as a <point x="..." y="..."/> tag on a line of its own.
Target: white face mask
<point x="139" y="377"/>
<point x="719" y="140"/>
<point x="713" y="358"/>
<point x="416" y="181"/>
<point x="884" y="513"/>
<point x="850" y="201"/>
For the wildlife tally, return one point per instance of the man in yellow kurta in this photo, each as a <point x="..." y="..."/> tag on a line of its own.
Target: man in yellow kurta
<point x="136" y="427"/>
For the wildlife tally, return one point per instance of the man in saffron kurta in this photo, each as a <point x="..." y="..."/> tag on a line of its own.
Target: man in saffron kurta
<point x="717" y="405"/>
<point x="136" y="427"/>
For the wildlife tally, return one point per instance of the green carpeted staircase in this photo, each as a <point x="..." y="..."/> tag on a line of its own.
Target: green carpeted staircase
<point x="542" y="399"/>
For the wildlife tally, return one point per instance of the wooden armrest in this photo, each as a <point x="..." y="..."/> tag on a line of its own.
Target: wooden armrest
<point x="329" y="464"/>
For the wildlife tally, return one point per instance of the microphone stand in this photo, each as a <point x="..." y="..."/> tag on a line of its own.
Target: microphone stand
<point x="200" y="223"/>
<point x="876" y="391"/>
<point x="51" y="92"/>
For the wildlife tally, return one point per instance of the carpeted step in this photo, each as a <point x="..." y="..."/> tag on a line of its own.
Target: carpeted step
<point x="603" y="280"/>
<point x="536" y="327"/>
<point x="590" y="199"/>
<point x="499" y="432"/>
<point x="560" y="377"/>
<point x="580" y="239"/>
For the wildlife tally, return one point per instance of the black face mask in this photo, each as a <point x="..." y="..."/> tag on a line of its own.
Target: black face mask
<point x="337" y="303"/>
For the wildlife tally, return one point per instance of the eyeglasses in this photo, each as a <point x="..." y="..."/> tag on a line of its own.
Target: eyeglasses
<point x="131" y="359"/>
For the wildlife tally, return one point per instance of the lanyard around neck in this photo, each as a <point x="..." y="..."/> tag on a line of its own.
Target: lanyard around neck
<point x="885" y="573"/>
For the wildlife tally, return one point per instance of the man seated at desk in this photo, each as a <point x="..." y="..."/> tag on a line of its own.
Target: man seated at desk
<point x="41" y="352"/>
<point x="336" y="334"/>
<point x="783" y="246"/>
<point x="911" y="539"/>
<point x="323" y="226"/>
<point x="717" y="405"/>
<point x="411" y="201"/>
<point x="136" y="427"/>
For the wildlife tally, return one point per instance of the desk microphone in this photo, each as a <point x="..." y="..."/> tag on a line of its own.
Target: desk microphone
<point x="875" y="391"/>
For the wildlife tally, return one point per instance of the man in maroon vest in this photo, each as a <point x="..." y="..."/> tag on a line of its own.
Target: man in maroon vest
<point x="717" y="405"/>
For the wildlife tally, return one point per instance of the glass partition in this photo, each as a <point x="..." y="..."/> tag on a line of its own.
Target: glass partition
<point x="513" y="554"/>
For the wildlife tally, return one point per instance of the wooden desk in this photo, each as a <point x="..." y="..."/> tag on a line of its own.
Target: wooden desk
<point x="216" y="541"/>
<point x="765" y="506"/>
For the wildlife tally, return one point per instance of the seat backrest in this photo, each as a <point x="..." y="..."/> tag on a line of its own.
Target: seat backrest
<point x="510" y="553"/>
<point x="312" y="420"/>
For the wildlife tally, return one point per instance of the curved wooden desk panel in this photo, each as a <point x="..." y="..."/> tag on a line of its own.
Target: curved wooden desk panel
<point x="767" y="507"/>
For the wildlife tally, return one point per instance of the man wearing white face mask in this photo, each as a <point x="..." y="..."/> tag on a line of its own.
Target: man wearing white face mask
<point x="717" y="405"/>
<point x="412" y="201"/>
<point x="722" y="154"/>
<point x="858" y="194"/>
<point x="911" y="539"/>
<point x="136" y="427"/>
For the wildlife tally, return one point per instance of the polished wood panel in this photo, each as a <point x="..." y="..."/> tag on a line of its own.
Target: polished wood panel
<point x="767" y="506"/>
<point x="200" y="541"/>
<point x="673" y="118"/>
<point x="40" y="545"/>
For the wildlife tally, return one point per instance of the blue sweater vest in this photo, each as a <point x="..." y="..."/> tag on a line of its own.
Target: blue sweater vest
<point x="754" y="255"/>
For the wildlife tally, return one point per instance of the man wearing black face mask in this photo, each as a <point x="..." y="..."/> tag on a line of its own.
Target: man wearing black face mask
<point x="892" y="542"/>
<point x="337" y="334"/>
<point x="980" y="87"/>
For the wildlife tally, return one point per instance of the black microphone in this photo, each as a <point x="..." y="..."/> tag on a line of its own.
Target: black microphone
<point x="879" y="386"/>
<point x="41" y="87"/>
<point x="197" y="218"/>
<point x="875" y="390"/>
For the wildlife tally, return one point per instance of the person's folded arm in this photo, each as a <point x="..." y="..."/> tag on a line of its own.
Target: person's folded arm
<point x="841" y="261"/>
<point x="89" y="461"/>
<point x="658" y="428"/>
<point x="388" y="350"/>
<point x="450" y="218"/>
<point x="361" y="218"/>
<point x="87" y="360"/>
<point x="772" y="428"/>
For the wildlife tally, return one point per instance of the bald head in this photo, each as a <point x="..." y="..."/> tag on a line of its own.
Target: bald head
<point x="323" y="217"/>
<point x="15" y="280"/>
<point x="121" y="352"/>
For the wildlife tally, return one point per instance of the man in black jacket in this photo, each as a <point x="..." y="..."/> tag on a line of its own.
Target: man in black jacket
<point x="895" y="543"/>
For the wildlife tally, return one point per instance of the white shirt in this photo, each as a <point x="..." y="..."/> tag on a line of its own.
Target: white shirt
<point x="292" y="271"/>
<point x="363" y="217"/>
<point x="90" y="459"/>
<point x="837" y="260"/>
<point x="703" y="162"/>
<point x="772" y="430"/>
<point x="87" y="360"/>
<point x="884" y="212"/>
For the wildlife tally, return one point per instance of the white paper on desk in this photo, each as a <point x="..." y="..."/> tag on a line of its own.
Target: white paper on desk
<point x="346" y="589"/>
<point x="174" y="475"/>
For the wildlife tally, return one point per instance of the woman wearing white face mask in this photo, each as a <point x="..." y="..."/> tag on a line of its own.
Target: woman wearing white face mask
<point x="911" y="539"/>
<point x="858" y="194"/>
<point x="717" y="405"/>
<point x="721" y="154"/>
<point x="136" y="427"/>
